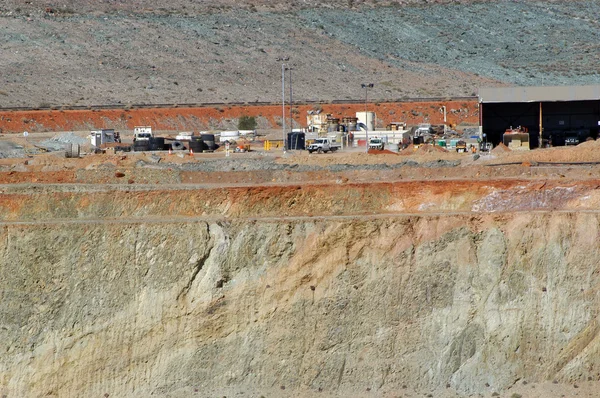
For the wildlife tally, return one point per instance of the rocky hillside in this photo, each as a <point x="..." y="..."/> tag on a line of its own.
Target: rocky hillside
<point x="144" y="52"/>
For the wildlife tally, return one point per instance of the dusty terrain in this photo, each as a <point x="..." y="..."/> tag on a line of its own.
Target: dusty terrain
<point x="425" y="273"/>
<point x="422" y="273"/>
<point x="139" y="52"/>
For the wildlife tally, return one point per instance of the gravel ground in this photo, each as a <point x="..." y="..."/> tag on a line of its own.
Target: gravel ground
<point x="82" y="53"/>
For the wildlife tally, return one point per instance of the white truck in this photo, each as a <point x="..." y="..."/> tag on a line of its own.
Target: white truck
<point x="376" y="143"/>
<point x="142" y="133"/>
<point x="323" y="145"/>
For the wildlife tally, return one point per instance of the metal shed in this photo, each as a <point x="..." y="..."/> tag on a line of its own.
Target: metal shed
<point x="555" y="115"/>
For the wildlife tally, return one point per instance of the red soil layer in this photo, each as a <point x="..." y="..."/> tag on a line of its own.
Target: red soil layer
<point x="188" y="118"/>
<point x="299" y="200"/>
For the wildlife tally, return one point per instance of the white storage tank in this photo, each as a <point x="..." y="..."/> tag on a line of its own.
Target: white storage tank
<point x="367" y="118"/>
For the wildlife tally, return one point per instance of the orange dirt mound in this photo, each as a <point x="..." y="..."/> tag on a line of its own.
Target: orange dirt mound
<point x="409" y="150"/>
<point x="501" y="148"/>
<point x="428" y="148"/>
<point x="381" y="152"/>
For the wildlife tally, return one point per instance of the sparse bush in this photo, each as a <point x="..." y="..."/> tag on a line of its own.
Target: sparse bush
<point x="247" y="123"/>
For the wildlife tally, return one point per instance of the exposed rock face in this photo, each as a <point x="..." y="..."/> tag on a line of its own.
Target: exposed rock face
<point x="169" y="307"/>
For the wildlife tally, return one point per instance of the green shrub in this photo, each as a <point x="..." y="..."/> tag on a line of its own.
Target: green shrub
<point x="247" y="123"/>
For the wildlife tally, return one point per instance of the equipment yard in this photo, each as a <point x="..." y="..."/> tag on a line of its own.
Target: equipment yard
<point x="310" y="256"/>
<point x="431" y="229"/>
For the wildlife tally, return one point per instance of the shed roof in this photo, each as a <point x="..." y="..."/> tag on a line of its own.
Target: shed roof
<point x="539" y="94"/>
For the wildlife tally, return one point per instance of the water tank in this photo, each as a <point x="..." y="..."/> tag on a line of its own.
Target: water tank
<point x="209" y="141"/>
<point x="296" y="141"/>
<point x="196" y="145"/>
<point x="368" y="118"/>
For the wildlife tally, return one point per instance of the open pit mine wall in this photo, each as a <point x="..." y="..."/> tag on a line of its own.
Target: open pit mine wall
<point x="226" y="116"/>
<point x="135" y="306"/>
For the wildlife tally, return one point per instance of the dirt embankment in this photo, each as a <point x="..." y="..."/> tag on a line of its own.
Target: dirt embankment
<point x="225" y="116"/>
<point x="140" y="202"/>
<point x="127" y="303"/>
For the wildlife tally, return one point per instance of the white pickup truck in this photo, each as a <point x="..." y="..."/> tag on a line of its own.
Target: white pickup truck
<point x="323" y="145"/>
<point x="376" y="143"/>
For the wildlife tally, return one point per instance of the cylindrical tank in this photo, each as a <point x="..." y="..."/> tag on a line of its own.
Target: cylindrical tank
<point x="200" y="146"/>
<point x="368" y="118"/>
<point x="196" y="145"/>
<point x="350" y="123"/>
<point x="209" y="141"/>
<point x="333" y="124"/>
<point x="296" y="141"/>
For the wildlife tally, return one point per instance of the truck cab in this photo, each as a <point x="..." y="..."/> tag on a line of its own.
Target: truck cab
<point x="376" y="143"/>
<point x="142" y="133"/>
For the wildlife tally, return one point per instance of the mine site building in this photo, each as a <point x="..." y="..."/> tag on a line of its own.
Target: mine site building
<point x="104" y="136"/>
<point x="558" y="115"/>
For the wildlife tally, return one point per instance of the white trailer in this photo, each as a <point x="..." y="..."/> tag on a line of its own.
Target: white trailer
<point x="104" y="136"/>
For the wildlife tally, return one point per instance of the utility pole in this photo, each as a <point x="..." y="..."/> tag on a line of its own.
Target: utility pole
<point x="291" y="102"/>
<point x="366" y="86"/>
<point x="283" y="60"/>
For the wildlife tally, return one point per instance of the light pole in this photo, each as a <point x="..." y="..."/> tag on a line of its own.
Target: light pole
<point x="291" y="103"/>
<point x="283" y="60"/>
<point x="366" y="86"/>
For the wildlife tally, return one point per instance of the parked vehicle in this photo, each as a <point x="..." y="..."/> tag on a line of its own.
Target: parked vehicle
<point x="461" y="146"/>
<point x="571" y="139"/>
<point x="516" y="138"/>
<point x="376" y="143"/>
<point x="323" y="145"/>
<point x="142" y="133"/>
